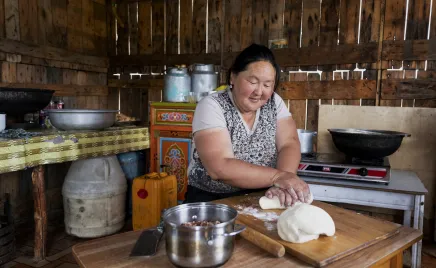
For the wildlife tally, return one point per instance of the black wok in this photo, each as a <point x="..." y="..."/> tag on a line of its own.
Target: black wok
<point x="20" y="101"/>
<point x="366" y="143"/>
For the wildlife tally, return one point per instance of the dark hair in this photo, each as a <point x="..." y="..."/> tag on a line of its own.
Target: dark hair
<point x="254" y="53"/>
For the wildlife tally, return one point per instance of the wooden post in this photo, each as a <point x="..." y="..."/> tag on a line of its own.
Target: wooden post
<point x="380" y="50"/>
<point x="40" y="215"/>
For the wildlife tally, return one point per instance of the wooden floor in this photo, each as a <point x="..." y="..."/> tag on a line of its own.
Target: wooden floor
<point x="60" y="256"/>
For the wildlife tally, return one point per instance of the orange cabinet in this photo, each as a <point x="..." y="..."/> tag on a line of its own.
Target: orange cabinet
<point x="170" y="141"/>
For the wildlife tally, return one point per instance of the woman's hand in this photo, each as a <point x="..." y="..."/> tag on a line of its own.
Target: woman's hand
<point x="294" y="189"/>
<point x="284" y="197"/>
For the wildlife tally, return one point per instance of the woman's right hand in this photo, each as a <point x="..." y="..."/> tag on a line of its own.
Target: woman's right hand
<point x="293" y="185"/>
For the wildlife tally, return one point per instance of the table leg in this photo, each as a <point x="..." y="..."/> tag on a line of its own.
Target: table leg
<point x="421" y="227"/>
<point x="407" y="218"/>
<point x="418" y="222"/>
<point x="40" y="214"/>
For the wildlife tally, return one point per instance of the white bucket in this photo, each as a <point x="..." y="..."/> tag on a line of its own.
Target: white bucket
<point x="94" y="195"/>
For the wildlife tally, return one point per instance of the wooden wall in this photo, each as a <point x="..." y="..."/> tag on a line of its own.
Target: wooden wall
<point x="353" y="52"/>
<point x="52" y="44"/>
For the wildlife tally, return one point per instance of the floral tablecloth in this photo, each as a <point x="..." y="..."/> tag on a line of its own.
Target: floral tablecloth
<point x="53" y="146"/>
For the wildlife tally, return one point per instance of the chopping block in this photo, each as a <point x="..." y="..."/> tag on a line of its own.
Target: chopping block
<point x="354" y="231"/>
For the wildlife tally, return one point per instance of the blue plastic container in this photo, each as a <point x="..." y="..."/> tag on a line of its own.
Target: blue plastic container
<point x="133" y="165"/>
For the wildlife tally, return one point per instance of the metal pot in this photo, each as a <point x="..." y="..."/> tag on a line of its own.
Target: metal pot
<point x="20" y="101"/>
<point x="367" y="143"/>
<point x="200" y="246"/>
<point x="203" y="80"/>
<point x="306" y="140"/>
<point x="177" y="84"/>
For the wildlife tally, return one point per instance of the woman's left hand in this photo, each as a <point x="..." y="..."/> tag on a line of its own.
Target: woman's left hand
<point x="284" y="197"/>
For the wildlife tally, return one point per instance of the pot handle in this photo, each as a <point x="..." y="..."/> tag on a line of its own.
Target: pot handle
<point x="236" y="230"/>
<point x="239" y="228"/>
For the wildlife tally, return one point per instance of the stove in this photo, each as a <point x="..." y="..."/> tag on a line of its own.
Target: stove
<point x="338" y="166"/>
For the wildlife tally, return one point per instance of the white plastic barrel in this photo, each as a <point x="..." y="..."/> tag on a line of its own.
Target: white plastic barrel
<point x="94" y="195"/>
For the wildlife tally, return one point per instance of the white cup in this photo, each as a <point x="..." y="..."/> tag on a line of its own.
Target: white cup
<point x="2" y="122"/>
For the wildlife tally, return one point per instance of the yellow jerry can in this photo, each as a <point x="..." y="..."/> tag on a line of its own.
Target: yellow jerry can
<point x="151" y="193"/>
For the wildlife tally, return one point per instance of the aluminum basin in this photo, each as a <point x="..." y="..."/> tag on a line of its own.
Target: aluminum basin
<point x="82" y="119"/>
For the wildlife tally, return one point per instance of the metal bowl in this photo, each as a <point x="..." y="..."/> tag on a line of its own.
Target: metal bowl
<point x="367" y="143"/>
<point x="82" y="119"/>
<point x="200" y="246"/>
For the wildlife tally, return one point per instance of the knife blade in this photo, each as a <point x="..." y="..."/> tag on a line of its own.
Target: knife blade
<point x="148" y="242"/>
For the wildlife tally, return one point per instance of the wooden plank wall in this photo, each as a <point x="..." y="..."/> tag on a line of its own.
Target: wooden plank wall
<point x="52" y="44"/>
<point x="333" y="49"/>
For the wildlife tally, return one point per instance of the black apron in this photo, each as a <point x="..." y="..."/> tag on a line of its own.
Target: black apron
<point x="194" y="194"/>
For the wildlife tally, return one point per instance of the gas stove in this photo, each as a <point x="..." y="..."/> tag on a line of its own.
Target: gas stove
<point x="339" y="166"/>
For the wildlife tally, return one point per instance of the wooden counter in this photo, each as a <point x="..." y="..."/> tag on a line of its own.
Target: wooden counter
<point x="114" y="251"/>
<point x="51" y="146"/>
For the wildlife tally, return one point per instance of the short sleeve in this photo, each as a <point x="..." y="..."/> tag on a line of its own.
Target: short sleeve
<point x="282" y="110"/>
<point x="208" y="114"/>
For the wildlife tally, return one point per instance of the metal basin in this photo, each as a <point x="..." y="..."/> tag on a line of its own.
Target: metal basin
<point x="20" y="101"/>
<point x="367" y="143"/>
<point x="200" y="246"/>
<point x="78" y="119"/>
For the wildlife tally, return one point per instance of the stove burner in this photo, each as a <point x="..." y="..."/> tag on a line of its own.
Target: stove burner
<point x="366" y="162"/>
<point x="339" y="166"/>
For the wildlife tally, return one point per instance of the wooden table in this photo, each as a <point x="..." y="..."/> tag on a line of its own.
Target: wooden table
<point x="405" y="192"/>
<point x="113" y="251"/>
<point x="51" y="146"/>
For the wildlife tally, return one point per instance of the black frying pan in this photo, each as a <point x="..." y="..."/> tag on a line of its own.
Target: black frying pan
<point x="366" y="143"/>
<point x="20" y="101"/>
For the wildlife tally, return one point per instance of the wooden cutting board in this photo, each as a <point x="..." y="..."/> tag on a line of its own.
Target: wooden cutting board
<point x="354" y="231"/>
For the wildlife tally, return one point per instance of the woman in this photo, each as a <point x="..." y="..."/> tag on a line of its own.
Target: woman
<point x="245" y="138"/>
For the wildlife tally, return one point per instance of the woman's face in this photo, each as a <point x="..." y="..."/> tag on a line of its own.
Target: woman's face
<point x="253" y="87"/>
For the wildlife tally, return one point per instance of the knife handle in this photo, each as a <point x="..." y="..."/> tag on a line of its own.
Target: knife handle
<point x="264" y="242"/>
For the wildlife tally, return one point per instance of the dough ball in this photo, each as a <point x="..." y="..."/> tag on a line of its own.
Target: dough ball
<point x="274" y="203"/>
<point x="303" y="222"/>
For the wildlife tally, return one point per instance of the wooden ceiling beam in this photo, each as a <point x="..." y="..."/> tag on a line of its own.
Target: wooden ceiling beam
<point x="323" y="55"/>
<point x="408" y="89"/>
<point x="409" y="50"/>
<point x="51" y="53"/>
<point x="348" y="53"/>
<point x="63" y="89"/>
<point x="157" y="82"/>
<point x="339" y="89"/>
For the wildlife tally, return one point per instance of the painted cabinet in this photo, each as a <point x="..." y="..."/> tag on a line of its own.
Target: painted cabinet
<point x="171" y="137"/>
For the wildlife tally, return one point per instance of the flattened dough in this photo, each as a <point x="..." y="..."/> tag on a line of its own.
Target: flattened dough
<point x="274" y="203"/>
<point x="303" y="222"/>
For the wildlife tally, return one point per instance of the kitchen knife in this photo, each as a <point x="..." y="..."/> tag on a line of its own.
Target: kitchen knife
<point x="148" y="242"/>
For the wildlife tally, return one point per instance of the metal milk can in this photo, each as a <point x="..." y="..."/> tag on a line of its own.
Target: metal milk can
<point x="177" y="84"/>
<point x="204" y="79"/>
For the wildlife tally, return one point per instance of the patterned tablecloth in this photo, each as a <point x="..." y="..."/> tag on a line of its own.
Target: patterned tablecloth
<point x="52" y="146"/>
